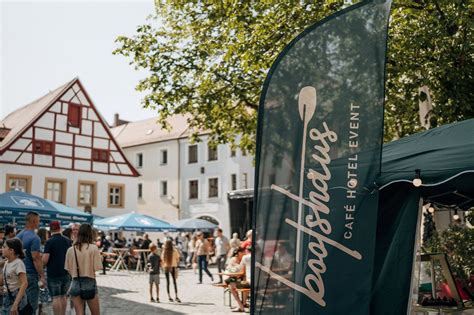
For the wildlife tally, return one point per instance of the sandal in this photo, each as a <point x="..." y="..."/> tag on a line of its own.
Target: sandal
<point x="177" y="300"/>
<point x="170" y="299"/>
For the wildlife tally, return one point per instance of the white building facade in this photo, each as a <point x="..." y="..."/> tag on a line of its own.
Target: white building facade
<point x="60" y="148"/>
<point x="208" y="175"/>
<point x="154" y="152"/>
<point x="179" y="179"/>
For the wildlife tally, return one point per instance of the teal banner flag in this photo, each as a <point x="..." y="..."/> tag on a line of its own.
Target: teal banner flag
<point x="319" y="143"/>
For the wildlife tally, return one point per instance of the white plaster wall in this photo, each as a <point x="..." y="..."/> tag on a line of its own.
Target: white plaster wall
<point x="38" y="179"/>
<point x="57" y="107"/>
<point x="43" y="134"/>
<point x="9" y="156"/>
<point x="63" y="149"/>
<point x="26" y="158"/>
<point x="222" y="169"/>
<point x="82" y="98"/>
<point x="20" y="144"/>
<point x="99" y="130"/>
<point x="117" y="157"/>
<point x="86" y="127"/>
<point x="99" y="167"/>
<point x="152" y="173"/>
<point x="61" y="122"/>
<point x="84" y="141"/>
<point x="41" y="159"/>
<point x="124" y="169"/>
<point x="46" y="121"/>
<point x="63" y="137"/>
<point x="63" y="162"/>
<point x="68" y="95"/>
<point x="82" y="165"/>
<point x="83" y="153"/>
<point x="101" y="143"/>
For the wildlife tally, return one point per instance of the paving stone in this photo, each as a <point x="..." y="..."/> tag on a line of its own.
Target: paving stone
<point x="128" y="293"/>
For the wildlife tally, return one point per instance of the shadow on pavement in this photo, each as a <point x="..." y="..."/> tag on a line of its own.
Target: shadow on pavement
<point x="113" y="305"/>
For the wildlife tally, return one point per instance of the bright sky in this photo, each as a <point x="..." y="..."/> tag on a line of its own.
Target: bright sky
<point x="45" y="44"/>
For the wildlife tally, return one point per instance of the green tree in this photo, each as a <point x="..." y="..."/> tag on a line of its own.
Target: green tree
<point x="209" y="59"/>
<point x="456" y="241"/>
<point x="430" y="43"/>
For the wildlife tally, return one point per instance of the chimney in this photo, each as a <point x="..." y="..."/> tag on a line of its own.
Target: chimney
<point x="116" y="120"/>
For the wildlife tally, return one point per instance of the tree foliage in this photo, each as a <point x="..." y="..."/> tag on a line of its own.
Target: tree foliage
<point x="456" y="241"/>
<point x="430" y="43"/>
<point x="209" y="59"/>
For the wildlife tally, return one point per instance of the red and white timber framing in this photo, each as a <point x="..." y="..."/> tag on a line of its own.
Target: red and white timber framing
<point x="87" y="147"/>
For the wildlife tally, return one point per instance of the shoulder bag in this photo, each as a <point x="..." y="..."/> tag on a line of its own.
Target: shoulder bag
<point x="27" y="309"/>
<point x="88" y="294"/>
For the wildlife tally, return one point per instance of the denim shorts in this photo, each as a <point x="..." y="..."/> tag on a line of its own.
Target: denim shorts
<point x="86" y="284"/>
<point x="8" y="302"/>
<point x="59" y="286"/>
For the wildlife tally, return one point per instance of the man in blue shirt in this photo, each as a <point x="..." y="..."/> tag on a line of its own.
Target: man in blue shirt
<point x="34" y="265"/>
<point x="53" y="257"/>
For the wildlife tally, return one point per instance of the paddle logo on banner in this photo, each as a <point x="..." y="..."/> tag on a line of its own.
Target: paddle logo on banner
<point x="318" y="156"/>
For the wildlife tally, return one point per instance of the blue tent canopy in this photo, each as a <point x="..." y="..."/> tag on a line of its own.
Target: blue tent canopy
<point x="133" y="222"/>
<point x="14" y="206"/>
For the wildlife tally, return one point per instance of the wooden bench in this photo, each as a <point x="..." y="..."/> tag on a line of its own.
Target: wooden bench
<point x="226" y="288"/>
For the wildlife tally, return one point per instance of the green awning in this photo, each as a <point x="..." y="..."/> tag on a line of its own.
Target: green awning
<point x="440" y="154"/>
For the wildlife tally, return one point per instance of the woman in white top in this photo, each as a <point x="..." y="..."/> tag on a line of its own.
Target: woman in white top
<point x="87" y="255"/>
<point x="13" y="277"/>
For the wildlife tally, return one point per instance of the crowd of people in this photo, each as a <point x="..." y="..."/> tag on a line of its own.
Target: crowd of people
<point x="188" y="250"/>
<point x="53" y="265"/>
<point x="40" y="265"/>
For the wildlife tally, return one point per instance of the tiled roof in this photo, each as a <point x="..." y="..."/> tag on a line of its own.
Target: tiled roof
<point x="21" y="119"/>
<point x="149" y="131"/>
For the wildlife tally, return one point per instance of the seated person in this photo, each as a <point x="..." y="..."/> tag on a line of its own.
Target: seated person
<point x="132" y="258"/>
<point x="234" y="267"/>
<point x="244" y="283"/>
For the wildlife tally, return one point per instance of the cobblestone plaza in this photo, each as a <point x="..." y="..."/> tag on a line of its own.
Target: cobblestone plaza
<point x="127" y="293"/>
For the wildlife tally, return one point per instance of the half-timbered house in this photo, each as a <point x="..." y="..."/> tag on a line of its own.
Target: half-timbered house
<point x="61" y="148"/>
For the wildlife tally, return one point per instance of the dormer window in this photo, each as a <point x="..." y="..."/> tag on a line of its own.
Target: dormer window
<point x="43" y="147"/>
<point x="74" y="115"/>
<point x="99" y="155"/>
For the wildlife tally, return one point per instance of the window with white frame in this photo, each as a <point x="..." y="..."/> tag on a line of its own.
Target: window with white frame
<point x="163" y="157"/>
<point x="211" y="153"/>
<point x="192" y="154"/>
<point x="213" y="184"/>
<point x="87" y="194"/>
<point x="164" y="188"/>
<point x="139" y="160"/>
<point x="233" y="181"/>
<point x="55" y="191"/>
<point x="18" y="184"/>
<point x="116" y="193"/>
<point x="193" y="189"/>
<point x="244" y="181"/>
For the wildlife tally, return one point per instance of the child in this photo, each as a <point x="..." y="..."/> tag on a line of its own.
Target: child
<point x="13" y="277"/>
<point x="154" y="264"/>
